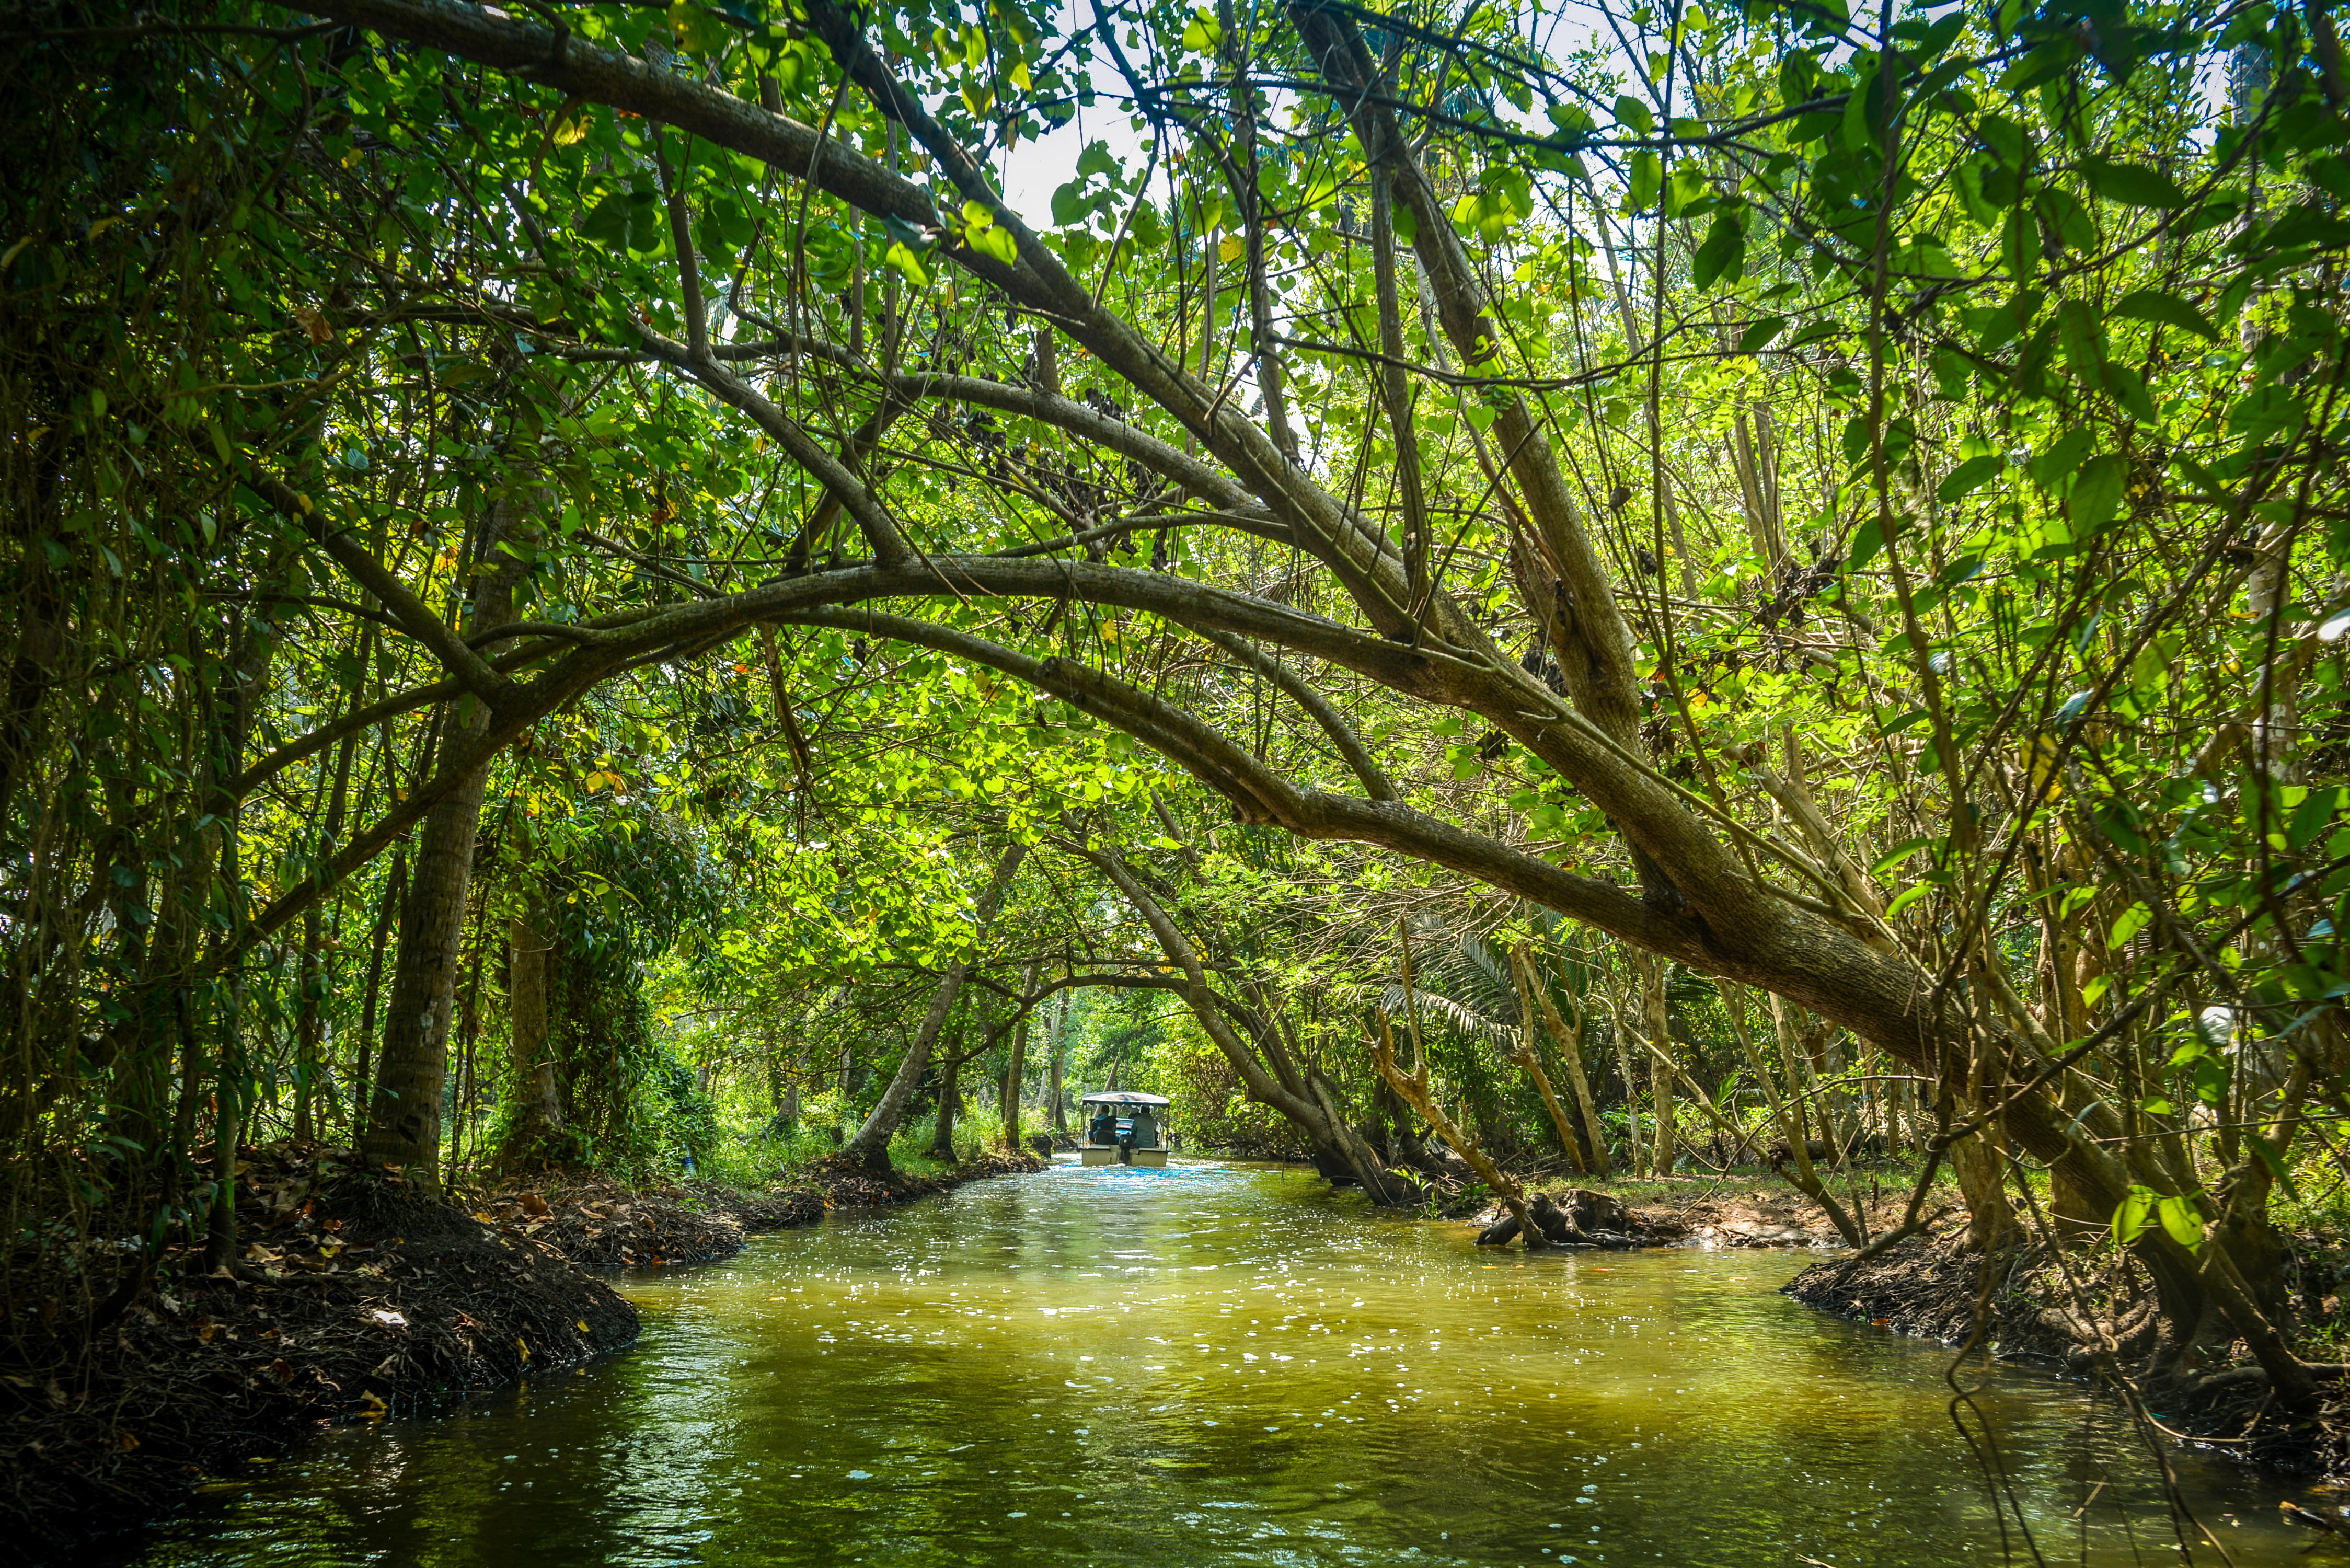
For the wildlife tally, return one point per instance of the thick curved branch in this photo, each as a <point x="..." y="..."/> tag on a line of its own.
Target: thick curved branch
<point x="1376" y="783"/>
<point x="881" y="532"/>
<point x="414" y="615"/>
<point x="1601" y="667"/>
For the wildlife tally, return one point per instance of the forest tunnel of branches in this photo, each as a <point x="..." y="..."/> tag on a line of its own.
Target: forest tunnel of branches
<point x="1476" y="595"/>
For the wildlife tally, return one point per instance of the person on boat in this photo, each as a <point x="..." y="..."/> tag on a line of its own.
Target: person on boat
<point x="1104" y="1127"/>
<point x="1146" y="1131"/>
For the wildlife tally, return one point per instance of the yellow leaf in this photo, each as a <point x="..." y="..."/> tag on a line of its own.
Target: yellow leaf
<point x="582" y="1326"/>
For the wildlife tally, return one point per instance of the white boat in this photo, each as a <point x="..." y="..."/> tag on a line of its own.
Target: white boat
<point x="1123" y="1128"/>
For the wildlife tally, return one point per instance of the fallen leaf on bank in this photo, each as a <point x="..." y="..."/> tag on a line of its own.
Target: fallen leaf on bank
<point x="126" y="1441"/>
<point x="582" y="1326"/>
<point x="387" y="1317"/>
<point x="531" y="1204"/>
<point x="207" y="1330"/>
<point x="372" y="1408"/>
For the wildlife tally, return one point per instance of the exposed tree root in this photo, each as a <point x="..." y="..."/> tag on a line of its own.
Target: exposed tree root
<point x="2192" y="1377"/>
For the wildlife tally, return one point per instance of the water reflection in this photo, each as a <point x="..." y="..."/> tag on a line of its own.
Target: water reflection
<point x="1215" y="1363"/>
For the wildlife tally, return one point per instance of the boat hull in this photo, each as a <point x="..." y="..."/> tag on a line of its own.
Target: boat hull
<point x="1093" y="1154"/>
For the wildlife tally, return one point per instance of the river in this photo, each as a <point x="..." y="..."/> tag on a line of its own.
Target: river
<point x="1220" y="1363"/>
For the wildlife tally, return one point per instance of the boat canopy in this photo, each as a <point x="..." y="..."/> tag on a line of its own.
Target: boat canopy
<point x="1122" y="1098"/>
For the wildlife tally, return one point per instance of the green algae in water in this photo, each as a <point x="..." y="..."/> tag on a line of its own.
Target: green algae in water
<point x="1226" y="1364"/>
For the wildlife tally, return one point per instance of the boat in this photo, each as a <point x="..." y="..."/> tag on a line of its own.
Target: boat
<point x="1123" y="1128"/>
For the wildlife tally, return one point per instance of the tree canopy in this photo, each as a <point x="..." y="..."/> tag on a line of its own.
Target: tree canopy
<point x="1465" y="525"/>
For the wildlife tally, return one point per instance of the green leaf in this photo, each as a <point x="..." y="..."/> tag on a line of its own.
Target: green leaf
<point x="1899" y="853"/>
<point x="1758" y="334"/>
<point x="2164" y="309"/>
<point x="1648" y="179"/>
<point x="2132" y="184"/>
<point x="2130" y="1215"/>
<point x="1907" y="897"/>
<point x="1722" y="255"/>
<point x="2313" y="817"/>
<point x="2180" y="1221"/>
<point x="1968" y="477"/>
<point x="904" y="262"/>
<point x="2098" y="494"/>
<point x="2062" y="457"/>
<point x="698" y="31"/>
<point x="2083" y="337"/>
<point x="984" y="234"/>
<point x="1633" y="112"/>
<point x="1866" y="540"/>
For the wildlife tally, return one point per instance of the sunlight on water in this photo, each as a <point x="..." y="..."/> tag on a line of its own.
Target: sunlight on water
<point x="1223" y="1364"/>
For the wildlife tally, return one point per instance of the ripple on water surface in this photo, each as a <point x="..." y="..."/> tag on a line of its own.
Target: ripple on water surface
<point x="1218" y="1363"/>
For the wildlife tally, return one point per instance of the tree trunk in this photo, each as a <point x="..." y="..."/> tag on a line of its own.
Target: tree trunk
<point x="1790" y="1127"/>
<point x="1634" y="1147"/>
<point x="1060" y="1057"/>
<point x="949" y="1091"/>
<point x="1570" y="1047"/>
<point x="1017" y="1068"/>
<point x="1413" y="1087"/>
<point x="1974" y="1160"/>
<point x="537" y="1118"/>
<point x="309" y="1019"/>
<point x="1525" y="1058"/>
<point x="404" y="1116"/>
<point x="870" y="1146"/>
<point x="1656" y="1022"/>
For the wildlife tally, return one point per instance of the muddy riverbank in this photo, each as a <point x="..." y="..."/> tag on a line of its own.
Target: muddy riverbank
<point x="351" y="1300"/>
<point x="2089" y="1322"/>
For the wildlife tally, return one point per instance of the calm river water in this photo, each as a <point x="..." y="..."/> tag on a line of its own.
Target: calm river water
<point x="1223" y="1365"/>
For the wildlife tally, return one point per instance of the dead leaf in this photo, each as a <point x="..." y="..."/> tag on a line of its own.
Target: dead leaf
<point x="207" y="1330"/>
<point x="315" y="323"/>
<point x="387" y="1317"/>
<point x="531" y="1204"/>
<point x="372" y="1408"/>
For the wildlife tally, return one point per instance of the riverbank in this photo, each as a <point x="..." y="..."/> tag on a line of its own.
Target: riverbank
<point x="1936" y="1286"/>
<point x="1172" y="1362"/>
<point x="1734" y="1210"/>
<point x="352" y="1299"/>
